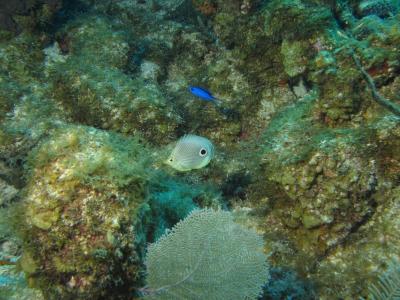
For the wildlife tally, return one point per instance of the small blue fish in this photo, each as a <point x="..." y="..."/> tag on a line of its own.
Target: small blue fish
<point x="203" y="94"/>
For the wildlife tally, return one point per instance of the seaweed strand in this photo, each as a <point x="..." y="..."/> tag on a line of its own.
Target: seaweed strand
<point x="394" y="108"/>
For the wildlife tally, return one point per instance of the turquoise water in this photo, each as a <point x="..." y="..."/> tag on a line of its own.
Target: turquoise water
<point x="199" y="149"/>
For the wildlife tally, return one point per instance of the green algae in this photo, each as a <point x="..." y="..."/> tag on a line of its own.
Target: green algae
<point x="28" y="264"/>
<point x="97" y="192"/>
<point x="45" y="220"/>
<point x="294" y="57"/>
<point x="122" y="103"/>
<point x="295" y="19"/>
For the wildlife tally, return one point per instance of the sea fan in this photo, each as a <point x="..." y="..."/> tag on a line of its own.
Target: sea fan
<point x="388" y="285"/>
<point x="206" y="256"/>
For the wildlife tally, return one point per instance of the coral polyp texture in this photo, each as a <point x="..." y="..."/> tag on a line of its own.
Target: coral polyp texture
<point x="94" y="96"/>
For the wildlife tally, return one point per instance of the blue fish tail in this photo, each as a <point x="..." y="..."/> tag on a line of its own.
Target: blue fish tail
<point x="217" y="101"/>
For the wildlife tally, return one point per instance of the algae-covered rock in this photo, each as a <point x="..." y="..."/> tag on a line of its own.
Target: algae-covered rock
<point x="102" y="94"/>
<point x="359" y="262"/>
<point x="342" y="89"/>
<point x="326" y="190"/>
<point x="83" y="195"/>
<point x="295" y="19"/>
<point x="28" y="264"/>
<point x="294" y="57"/>
<point x="321" y="173"/>
<point x="13" y="285"/>
<point x="15" y="77"/>
<point x="27" y="109"/>
<point x="7" y="192"/>
<point x="22" y="14"/>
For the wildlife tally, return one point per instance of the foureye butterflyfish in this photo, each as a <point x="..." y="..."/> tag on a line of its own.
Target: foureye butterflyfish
<point x="191" y="152"/>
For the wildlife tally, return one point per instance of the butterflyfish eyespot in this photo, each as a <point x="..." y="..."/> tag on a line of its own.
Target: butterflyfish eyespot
<point x="203" y="152"/>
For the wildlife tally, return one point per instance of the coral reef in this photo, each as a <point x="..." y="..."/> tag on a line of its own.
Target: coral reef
<point x="94" y="93"/>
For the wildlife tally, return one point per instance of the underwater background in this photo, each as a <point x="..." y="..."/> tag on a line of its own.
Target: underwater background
<point x="297" y="102"/>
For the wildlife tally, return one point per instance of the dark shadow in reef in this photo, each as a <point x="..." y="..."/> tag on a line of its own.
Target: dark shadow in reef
<point x="236" y="184"/>
<point x="69" y="11"/>
<point x="62" y="12"/>
<point x="285" y="283"/>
